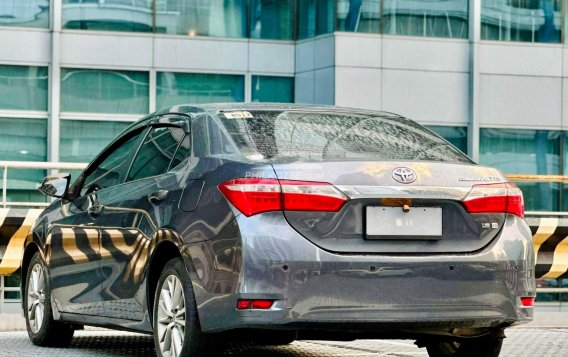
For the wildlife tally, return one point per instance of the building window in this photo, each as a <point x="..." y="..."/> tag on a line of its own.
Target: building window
<point x="113" y="15"/>
<point x="315" y="17"/>
<point x="10" y="294"/>
<point x="182" y="17"/>
<point x="195" y="88"/>
<point x="24" y="13"/>
<point x="12" y="282"/>
<point x="202" y="18"/>
<point x="456" y="135"/>
<point x="104" y="91"/>
<point x="521" y="20"/>
<point x="23" y="87"/>
<point x="529" y="152"/>
<point x="272" y="89"/>
<point x="552" y="298"/>
<point x="82" y="140"/>
<point x="444" y="18"/>
<point x="359" y="16"/>
<point x="23" y="140"/>
<point x="272" y="19"/>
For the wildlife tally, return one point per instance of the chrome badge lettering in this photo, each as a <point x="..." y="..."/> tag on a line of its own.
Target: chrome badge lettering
<point x="481" y="178"/>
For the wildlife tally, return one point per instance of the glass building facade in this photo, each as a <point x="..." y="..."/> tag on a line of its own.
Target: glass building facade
<point x="501" y="20"/>
<point x="96" y="101"/>
<point x="523" y="20"/>
<point x="25" y="13"/>
<point x="175" y="88"/>
<point x="104" y="91"/>
<point x="528" y="152"/>
<point x="446" y="18"/>
<point x="23" y="87"/>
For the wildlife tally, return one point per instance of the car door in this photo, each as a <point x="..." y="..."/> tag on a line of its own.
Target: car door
<point x="134" y="214"/>
<point x="74" y="239"/>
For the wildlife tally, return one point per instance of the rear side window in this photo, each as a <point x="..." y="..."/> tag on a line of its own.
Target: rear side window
<point x="328" y="136"/>
<point x="157" y="152"/>
<point x="210" y="140"/>
<point x="183" y="151"/>
<point x="112" y="170"/>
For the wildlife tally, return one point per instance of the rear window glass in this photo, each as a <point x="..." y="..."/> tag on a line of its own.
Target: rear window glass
<point x="322" y="136"/>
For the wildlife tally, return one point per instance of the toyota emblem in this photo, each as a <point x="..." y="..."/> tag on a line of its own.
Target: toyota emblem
<point x="404" y="175"/>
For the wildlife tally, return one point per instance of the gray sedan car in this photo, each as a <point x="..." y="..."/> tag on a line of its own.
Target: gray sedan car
<point x="274" y="223"/>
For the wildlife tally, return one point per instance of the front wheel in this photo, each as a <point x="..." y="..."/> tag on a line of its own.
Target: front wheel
<point x="43" y="330"/>
<point x="485" y="346"/>
<point x="177" y="331"/>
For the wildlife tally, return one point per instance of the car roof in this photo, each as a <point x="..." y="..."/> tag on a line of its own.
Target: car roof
<point x="223" y="107"/>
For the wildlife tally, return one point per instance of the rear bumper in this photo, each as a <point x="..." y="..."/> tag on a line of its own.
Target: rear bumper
<point x="313" y="288"/>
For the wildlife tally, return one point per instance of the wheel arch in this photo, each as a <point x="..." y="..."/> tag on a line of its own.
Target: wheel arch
<point x="163" y="253"/>
<point x="30" y="250"/>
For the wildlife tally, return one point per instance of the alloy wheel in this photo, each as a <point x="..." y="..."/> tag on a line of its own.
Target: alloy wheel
<point x="36" y="298"/>
<point x="171" y="317"/>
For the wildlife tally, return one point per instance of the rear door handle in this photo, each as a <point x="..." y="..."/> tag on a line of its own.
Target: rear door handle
<point x="158" y="196"/>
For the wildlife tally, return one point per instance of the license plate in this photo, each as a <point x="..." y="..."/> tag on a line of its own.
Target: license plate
<point x="417" y="223"/>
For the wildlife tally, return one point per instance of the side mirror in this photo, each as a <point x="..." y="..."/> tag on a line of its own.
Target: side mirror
<point x="56" y="185"/>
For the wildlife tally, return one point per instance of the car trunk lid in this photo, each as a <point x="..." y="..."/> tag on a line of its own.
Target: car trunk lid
<point x="383" y="214"/>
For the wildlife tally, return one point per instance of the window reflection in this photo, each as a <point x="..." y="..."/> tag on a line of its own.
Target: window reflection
<point x="446" y="18"/>
<point x="110" y="15"/>
<point x="315" y="17"/>
<point x="176" y="88"/>
<point x="272" y="19"/>
<point x="557" y="296"/>
<point x="272" y="89"/>
<point x="519" y="151"/>
<point x="337" y="136"/>
<point x="24" y="13"/>
<point x="221" y="18"/>
<point x="457" y="136"/>
<point x="23" y="87"/>
<point x="432" y="18"/>
<point x="82" y="140"/>
<point x="359" y="15"/>
<point x="521" y="20"/>
<point x="24" y="140"/>
<point x="104" y="91"/>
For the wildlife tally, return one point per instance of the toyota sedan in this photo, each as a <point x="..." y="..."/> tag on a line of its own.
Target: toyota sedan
<point x="272" y="223"/>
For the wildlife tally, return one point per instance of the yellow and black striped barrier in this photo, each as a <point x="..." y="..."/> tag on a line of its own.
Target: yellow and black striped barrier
<point x="550" y="236"/>
<point x="15" y="227"/>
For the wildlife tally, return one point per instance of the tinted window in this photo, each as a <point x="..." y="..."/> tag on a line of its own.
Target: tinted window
<point x="183" y="151"/>
<point x="112" y="170"/>
<point x="156" y="152"/>
<point x="200" y="136"/>
<point x="209" y="139"/>
<point x="335" y="136"/>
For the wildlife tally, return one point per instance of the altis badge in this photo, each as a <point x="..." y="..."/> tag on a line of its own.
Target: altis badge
<point x="481" y="179"/>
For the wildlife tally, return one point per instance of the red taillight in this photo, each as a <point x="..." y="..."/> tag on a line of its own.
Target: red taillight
<point x="252" y="196"/>
<point x="311" y="196"/>
<point x="495" y="198"/>
<point x="254" y="304"/>
<point x="527" y="301"/>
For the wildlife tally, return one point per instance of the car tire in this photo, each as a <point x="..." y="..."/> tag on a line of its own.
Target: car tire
<point x="485" y="346"/>
<point x="43" y="330"/>
<point x="177" y="331"/>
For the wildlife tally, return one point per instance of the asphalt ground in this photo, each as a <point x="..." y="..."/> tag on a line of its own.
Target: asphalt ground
<point x="520" y="342"/>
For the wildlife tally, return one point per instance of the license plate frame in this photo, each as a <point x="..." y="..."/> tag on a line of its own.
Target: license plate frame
<point x="419" y="223"/>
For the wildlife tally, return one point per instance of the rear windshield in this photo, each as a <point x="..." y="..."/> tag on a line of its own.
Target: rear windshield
<point x="328" y="136"/>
